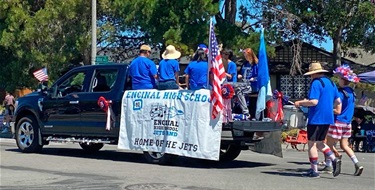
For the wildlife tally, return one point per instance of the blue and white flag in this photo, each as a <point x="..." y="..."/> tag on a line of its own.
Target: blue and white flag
<point x="263" y="79"/>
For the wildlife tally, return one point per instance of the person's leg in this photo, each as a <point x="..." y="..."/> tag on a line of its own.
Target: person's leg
<point x="344" y="144"/>
<point x="162" y="86"/>
<point x="7" y="121"/>
<point x="312" y="151"/>
<point x="242" y="100"/>
<point x="172" y="85"/>
<point x="321" y="135"/>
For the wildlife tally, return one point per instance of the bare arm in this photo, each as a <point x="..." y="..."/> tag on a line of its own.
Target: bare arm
<point x="337" y="107"/>
<point x="306" y="103"/>
<point x="187" y="81"/>
<point x="177" y="78"/>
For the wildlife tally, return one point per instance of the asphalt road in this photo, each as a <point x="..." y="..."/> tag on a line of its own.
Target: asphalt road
<point x="66" y="166"/>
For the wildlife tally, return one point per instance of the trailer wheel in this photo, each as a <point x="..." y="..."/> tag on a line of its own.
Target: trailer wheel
<point x="91" y="147"/>
<point x="229" y="153"/>
<point x="157" y="157"/>
<point x="27" y="135"/>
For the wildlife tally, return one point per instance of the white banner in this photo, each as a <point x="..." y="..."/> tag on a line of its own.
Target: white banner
<point x="171" y="121"/>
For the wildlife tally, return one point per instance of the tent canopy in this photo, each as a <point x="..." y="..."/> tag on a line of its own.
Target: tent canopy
<point x="368" y="77"/>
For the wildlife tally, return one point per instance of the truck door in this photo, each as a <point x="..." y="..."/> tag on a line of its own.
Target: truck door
<point x="61" y="109"/>
<point x="104" y="82"/>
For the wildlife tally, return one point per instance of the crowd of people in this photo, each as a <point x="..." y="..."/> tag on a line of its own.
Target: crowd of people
<point x="145" y="75"/>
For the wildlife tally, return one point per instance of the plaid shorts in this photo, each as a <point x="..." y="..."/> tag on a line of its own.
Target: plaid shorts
<point x="340" y="130"/>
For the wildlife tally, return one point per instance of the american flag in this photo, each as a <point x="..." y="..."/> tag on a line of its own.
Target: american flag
<point x="41" y="74"/>
<point x="218" y="72"/>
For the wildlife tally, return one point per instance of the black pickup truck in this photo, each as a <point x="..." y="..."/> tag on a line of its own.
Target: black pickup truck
<point x="68" y="112"/>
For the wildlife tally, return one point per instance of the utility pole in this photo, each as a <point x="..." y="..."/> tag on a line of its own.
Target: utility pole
<point x="93" y="32"/>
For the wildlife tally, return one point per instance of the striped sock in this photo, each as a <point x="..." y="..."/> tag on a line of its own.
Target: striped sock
<point x="354" y="159"/>
<point x="329" y="154"/>
<point x="314" y="163"/>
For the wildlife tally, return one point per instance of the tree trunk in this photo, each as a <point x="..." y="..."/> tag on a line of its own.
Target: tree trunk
<point x="337" y="47"/>
<point x="230" y="10"/>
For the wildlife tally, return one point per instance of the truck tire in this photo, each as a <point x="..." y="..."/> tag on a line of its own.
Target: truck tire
<point x="157" y="157"/>
<point x="91" y="147"/>
<point x="27" y="135"/>
<point x="229" y="153"/>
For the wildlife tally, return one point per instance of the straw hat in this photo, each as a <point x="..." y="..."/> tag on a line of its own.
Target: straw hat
<point x="314" y="68"/>
<point x="346" y="73"/>
<point x="145" y="47"/>
<point x="171" y="53"/>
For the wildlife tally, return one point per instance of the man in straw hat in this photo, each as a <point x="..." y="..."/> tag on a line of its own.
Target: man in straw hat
<point x="321" y="99"/>
<point x="143" y="71"/>
<point x="341" y="129"/>
<point x="169" y="69"/>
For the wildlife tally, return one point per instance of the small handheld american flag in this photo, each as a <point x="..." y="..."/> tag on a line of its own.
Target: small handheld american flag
<point x="41" y="74"/>
<point x="218" y="72"/>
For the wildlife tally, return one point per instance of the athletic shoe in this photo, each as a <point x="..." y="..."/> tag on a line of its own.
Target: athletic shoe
<point x="358" y="170"/>
<point x="326" y="169"/>
<point x="336" y="167"/>
<point x="311" y="173"/>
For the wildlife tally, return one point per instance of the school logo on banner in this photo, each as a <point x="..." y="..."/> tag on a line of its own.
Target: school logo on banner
<point x="170" y="121"/>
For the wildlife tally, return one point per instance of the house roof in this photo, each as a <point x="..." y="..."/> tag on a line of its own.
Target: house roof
<point x="360" y="56"/>
<point x="309" y="53"/>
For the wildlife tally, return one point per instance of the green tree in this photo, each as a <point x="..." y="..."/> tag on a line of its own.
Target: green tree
<point x="348" y="23"/>
<point x="42" y="33"/>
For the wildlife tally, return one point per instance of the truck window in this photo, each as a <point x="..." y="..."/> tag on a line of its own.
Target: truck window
<point x="104" y="80"/>
<point x="74" y="83"/>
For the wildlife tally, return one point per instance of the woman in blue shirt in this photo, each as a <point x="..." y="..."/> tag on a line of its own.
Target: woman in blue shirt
<point x="249" y="69"/>
<point x="229" y="66"/>
<point x="196" y="71"/>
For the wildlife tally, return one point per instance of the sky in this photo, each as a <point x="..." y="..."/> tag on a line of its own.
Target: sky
<point x="327" y="45"/>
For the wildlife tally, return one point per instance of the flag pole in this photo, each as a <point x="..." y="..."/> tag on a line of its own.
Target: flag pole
<point x="209" y="57"/>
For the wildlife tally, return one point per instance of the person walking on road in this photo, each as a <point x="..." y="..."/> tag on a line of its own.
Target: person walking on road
<point x="168" y="69"/>
<point x="143" y="71"/>
<point x="322" y="99"/>
<point x="341" y="129"/>
<point x="9" y="109"/>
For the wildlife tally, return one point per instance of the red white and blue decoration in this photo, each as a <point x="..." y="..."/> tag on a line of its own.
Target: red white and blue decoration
<point x="346" y="73"/>
<point x="105" y="105"/>
<point x="227" y="91"/>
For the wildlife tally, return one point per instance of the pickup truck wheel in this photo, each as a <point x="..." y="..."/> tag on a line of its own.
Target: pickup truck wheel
<point x="157" y="157"/>
<point x="229" y="153"/>
<point x="27" y="135"/>
<point x="91" y="147"/>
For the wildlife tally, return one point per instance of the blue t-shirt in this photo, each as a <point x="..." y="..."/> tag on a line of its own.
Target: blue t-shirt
<point x="167" y="69"/>
<point x="142" y="71"/>
<point x="348" y="104"/>
<point x="232" y="70"/>
<point x="197" y="71"/>
<point x="249" y="71"/>
<point x="322" y="113"/>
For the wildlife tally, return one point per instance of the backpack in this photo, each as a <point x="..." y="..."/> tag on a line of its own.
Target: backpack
<point x="321" y="81"/>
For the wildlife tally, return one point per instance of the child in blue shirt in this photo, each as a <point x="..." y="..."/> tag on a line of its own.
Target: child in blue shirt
<point x="229" y="66"/>
<point x="341" y="129"/>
